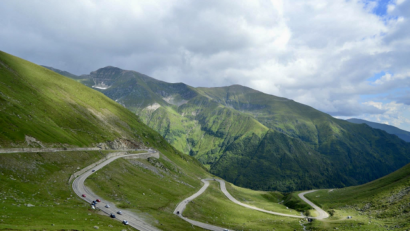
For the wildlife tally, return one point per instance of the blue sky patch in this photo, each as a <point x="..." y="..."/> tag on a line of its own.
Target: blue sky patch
<point x="378" y="76"/>
<point x="381" y="8"/>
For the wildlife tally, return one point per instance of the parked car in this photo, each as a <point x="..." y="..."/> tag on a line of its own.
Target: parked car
<point x="119" y="212"/>
<point x="93" y="170"/>
<point x="125" y="222"/>
<point x="92" y="206"/>
<point x="83" y="195"/>
<point x="107" y="205"/>
<point x="98" y="200"/>
<point x="112" y="215"/>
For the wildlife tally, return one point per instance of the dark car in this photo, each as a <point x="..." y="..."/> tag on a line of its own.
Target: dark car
<point x="119" y="212"/>
<point x="93" y="170"/>
<point x="112" y="215"/>
<point x="83" y="195"/>
<point x="98" y="200"/>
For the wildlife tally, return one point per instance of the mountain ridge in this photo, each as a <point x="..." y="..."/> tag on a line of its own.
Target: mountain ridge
<point x="402" y="134"/>
<point x="235" y="130"/>
<point x="43" y="109"/>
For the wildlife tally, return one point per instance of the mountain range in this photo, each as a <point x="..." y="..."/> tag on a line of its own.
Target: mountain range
<point x="43" y="109"/>
<point x="253" y="139"/>
<point x="53" y="127"/>
<point x="402" y="134"/>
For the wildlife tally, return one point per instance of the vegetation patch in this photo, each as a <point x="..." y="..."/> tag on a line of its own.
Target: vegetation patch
<point x="35" y="193"/>
<point x="215" y="208"/>
<point x="150" y="188"/>
<point x="271" y="201"/>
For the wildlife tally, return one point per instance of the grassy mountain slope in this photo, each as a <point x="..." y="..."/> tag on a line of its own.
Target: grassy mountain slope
<point x="385" y="200"/>
<point x="60" y="112"/>
<point x="162" y="184"/>
<point x="37" y="102"/>
<point x="214" y="208"/>
<point x="254" y="139"/>
<point x="404" y="135"/>
<point x="64" y="73"/>
<point x="40" y="180"/>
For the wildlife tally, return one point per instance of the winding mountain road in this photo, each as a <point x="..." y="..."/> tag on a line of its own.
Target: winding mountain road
<point x="181" y="206"/>
<point x="138" y="223"/>
<point x="322" y="213"/>
<point x="80" y="189"/>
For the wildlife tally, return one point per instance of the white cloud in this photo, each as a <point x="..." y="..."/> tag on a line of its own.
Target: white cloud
<point x="396" y="114"/>
<point x="317" y="52"/>
<point x="390" y="8"/>
<point x="399" y="2"/>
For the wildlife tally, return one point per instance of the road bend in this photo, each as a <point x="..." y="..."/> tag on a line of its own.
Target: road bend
<point x="181" y="206"/>
<point x="80" y="189"/>
<point x="322" y="213"/>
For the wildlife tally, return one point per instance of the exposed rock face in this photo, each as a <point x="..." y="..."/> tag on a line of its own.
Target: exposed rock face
<point x="122" y="144"/>
<point x="31" y="141"/>
<point x="153" y="107"/>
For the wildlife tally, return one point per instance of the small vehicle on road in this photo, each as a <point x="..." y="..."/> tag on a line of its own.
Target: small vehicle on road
<point x="83" y="195"/>
<point x="178" y="212"/>
<point x="125" y="222"/>
<point x="107" y="205"/>
<point x="92" y="206"/>
<point x="119" y="212"/>
<point x="112" y="215"/>
<point x="98" y="200"/>
<point x="93" y="170"/>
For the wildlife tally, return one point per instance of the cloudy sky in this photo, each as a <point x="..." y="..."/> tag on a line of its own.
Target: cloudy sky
<point x="348" y="58"/>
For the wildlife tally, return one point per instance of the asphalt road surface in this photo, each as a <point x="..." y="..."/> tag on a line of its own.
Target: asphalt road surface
<point x="80" y="189"/>
<point x="322" y="213"/>
<point x="138" y="223"/>
<point x="181" y="206"/>
<point x="230" y="197"/>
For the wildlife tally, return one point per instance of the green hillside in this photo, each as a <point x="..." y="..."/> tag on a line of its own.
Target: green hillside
<point x="253" y="139"/>
<point x="35" y="192"/>
<point x="404" y="135"/>
<point x="385" y="200"/>
<point x="58" y="111"/>
<point x="64" y="73"/>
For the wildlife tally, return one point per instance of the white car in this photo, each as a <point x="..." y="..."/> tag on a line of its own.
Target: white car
<point x="125" y="222"/>
<point x="107" y="205"/>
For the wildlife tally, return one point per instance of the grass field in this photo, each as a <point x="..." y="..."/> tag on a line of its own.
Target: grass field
<point x="150" y="188"/>
<point x="385" y="201"/>
<point x="41" y="180"/>
<point x="272" y="201"/>
<point x="215" y="208"/>
<point x="382" y="204"/>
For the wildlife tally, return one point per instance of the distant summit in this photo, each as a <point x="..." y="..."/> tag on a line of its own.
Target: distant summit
<point x="254" y="139"/>
<point x="402" y="134"/>
<point x="65" y="73"/>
